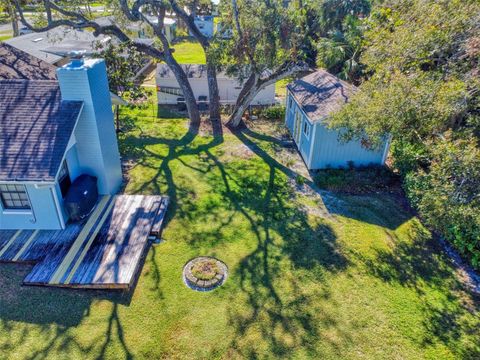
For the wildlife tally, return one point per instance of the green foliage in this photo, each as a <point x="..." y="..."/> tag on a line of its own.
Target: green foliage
<point x="423" y="89"/>
<point x="340" y="37"/>
<point x="272" y="34"/>
<point x="448" y="195"/>
<point x="123" y="63"/>
<point x="276" y="112"/>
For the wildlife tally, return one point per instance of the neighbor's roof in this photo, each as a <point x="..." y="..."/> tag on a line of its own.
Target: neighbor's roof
<point x="193" y="71"/>
<point x="17" y="64"/>
<point x="55" y="41"/>
<point x="320" y="94"/>
<point x="36" y="127"/>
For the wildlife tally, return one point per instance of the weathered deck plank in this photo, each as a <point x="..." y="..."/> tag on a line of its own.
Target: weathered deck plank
<point x="103" y="252"/>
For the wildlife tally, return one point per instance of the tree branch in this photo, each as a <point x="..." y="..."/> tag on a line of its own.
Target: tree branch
<point x="190" y="21"/>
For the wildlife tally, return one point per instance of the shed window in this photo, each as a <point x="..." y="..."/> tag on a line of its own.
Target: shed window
<point x="306" y="128"/>
<point x="64" y="180"/>
<point x="290" y="103"/>
<point x="14" y="197"/>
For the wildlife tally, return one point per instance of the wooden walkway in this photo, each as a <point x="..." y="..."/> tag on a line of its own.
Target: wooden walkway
<point x="103" y="252"/>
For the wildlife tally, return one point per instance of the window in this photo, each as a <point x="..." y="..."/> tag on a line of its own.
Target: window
<point x="290" y="101"/>
<point x="306" y="128"/>
<point x="170" y="90"/>
<point x="14" y="197"/>
<point x="64" y="180"/>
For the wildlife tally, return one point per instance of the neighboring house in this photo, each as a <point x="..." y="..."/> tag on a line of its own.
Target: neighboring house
<point x="168" y="89"/>
<point x="205" y="25"/>
<point x="169" y="28"/>
<point x="310" y="102"/>
<point x="52" y="132"/>
<point x="142" y="30"/>
<point x="53" y="46"/>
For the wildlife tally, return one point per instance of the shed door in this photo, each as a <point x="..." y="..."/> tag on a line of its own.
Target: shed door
<point x="297" y="127"/>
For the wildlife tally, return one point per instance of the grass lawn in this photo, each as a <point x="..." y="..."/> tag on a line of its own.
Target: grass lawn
<point x="189" y="52"/>
<point x="310" y="276"/>
<point x="4" y="37"/>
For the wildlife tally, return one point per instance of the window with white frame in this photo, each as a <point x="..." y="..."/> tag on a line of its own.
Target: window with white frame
<point x="306" y="128"/>
<point x="14" y="197"/>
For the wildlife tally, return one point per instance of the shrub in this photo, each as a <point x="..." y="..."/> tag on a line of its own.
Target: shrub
<point x="447" y="196"/>
<point x="276" y="112"/>
<point x="357" y="180"/>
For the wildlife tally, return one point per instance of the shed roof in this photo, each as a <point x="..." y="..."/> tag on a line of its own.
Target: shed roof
<point x="320" y="94"/>
<point x="17" y="64"/>
<point x="36" y="128"/>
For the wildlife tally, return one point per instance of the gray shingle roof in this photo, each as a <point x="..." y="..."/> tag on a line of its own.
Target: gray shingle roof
<point x="320" y="94"/>
<point x="17" y="64"/>
<point x="36" y="126"/>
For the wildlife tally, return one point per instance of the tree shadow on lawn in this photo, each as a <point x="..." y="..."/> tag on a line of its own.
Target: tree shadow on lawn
<point x="361" y="208"/>
<point x="282" y="230"/>
<point x="412" y="265"/>
<point x="55" y="311"/>
<point x="421" y="265"/>
<point x="288" y="242"/>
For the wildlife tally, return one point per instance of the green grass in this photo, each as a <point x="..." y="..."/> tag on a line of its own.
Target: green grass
<point x="364" y="282"/>
<point x="5" y="37"/>
<point x="189" y="52"/>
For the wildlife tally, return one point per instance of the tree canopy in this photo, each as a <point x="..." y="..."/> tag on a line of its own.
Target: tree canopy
<point x="421" y="86"/>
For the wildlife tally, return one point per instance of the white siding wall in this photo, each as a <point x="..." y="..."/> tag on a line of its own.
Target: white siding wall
<point x="229" y="89"/>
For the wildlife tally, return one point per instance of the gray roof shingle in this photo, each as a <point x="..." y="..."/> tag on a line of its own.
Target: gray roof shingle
<point x="17" y="64"/>
<point x="35" y="127"/>
<point x="320" y="94"/>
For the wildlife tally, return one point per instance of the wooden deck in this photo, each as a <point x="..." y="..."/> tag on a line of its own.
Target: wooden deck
<point x="103" y="252"/>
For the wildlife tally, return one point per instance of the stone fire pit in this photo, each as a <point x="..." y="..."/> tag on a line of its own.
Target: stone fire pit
<point x="204" y="273"/>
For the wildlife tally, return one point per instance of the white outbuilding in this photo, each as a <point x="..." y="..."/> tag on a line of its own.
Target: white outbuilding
<point x="168" y="89"/>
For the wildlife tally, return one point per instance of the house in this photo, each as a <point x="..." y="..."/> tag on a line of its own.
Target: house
<point x="205" y="25"/>
<point x="140" y="29"/>
<point x="168" y="89"/>
<point x="52" y="132"/>
<point x="310" y="102"/>
<point x="53" y="46"/>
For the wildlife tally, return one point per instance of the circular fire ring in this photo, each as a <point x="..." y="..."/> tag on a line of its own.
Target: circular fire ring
<point x="204" y="273"/>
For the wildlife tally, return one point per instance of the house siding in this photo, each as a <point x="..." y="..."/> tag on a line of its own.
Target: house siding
<point x="330" y="152"/>
<point x="229" y="89"/>
<point x="43" y="214"/>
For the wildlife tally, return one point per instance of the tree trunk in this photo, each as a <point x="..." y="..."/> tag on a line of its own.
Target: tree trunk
<point x="182" y="80"/>
<point x="48" y="11"/>
<point x="247" y="94"/>
<point x="117" y="118"/>
<point x="13" y="16"/>
<point x="214" y="105"/>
